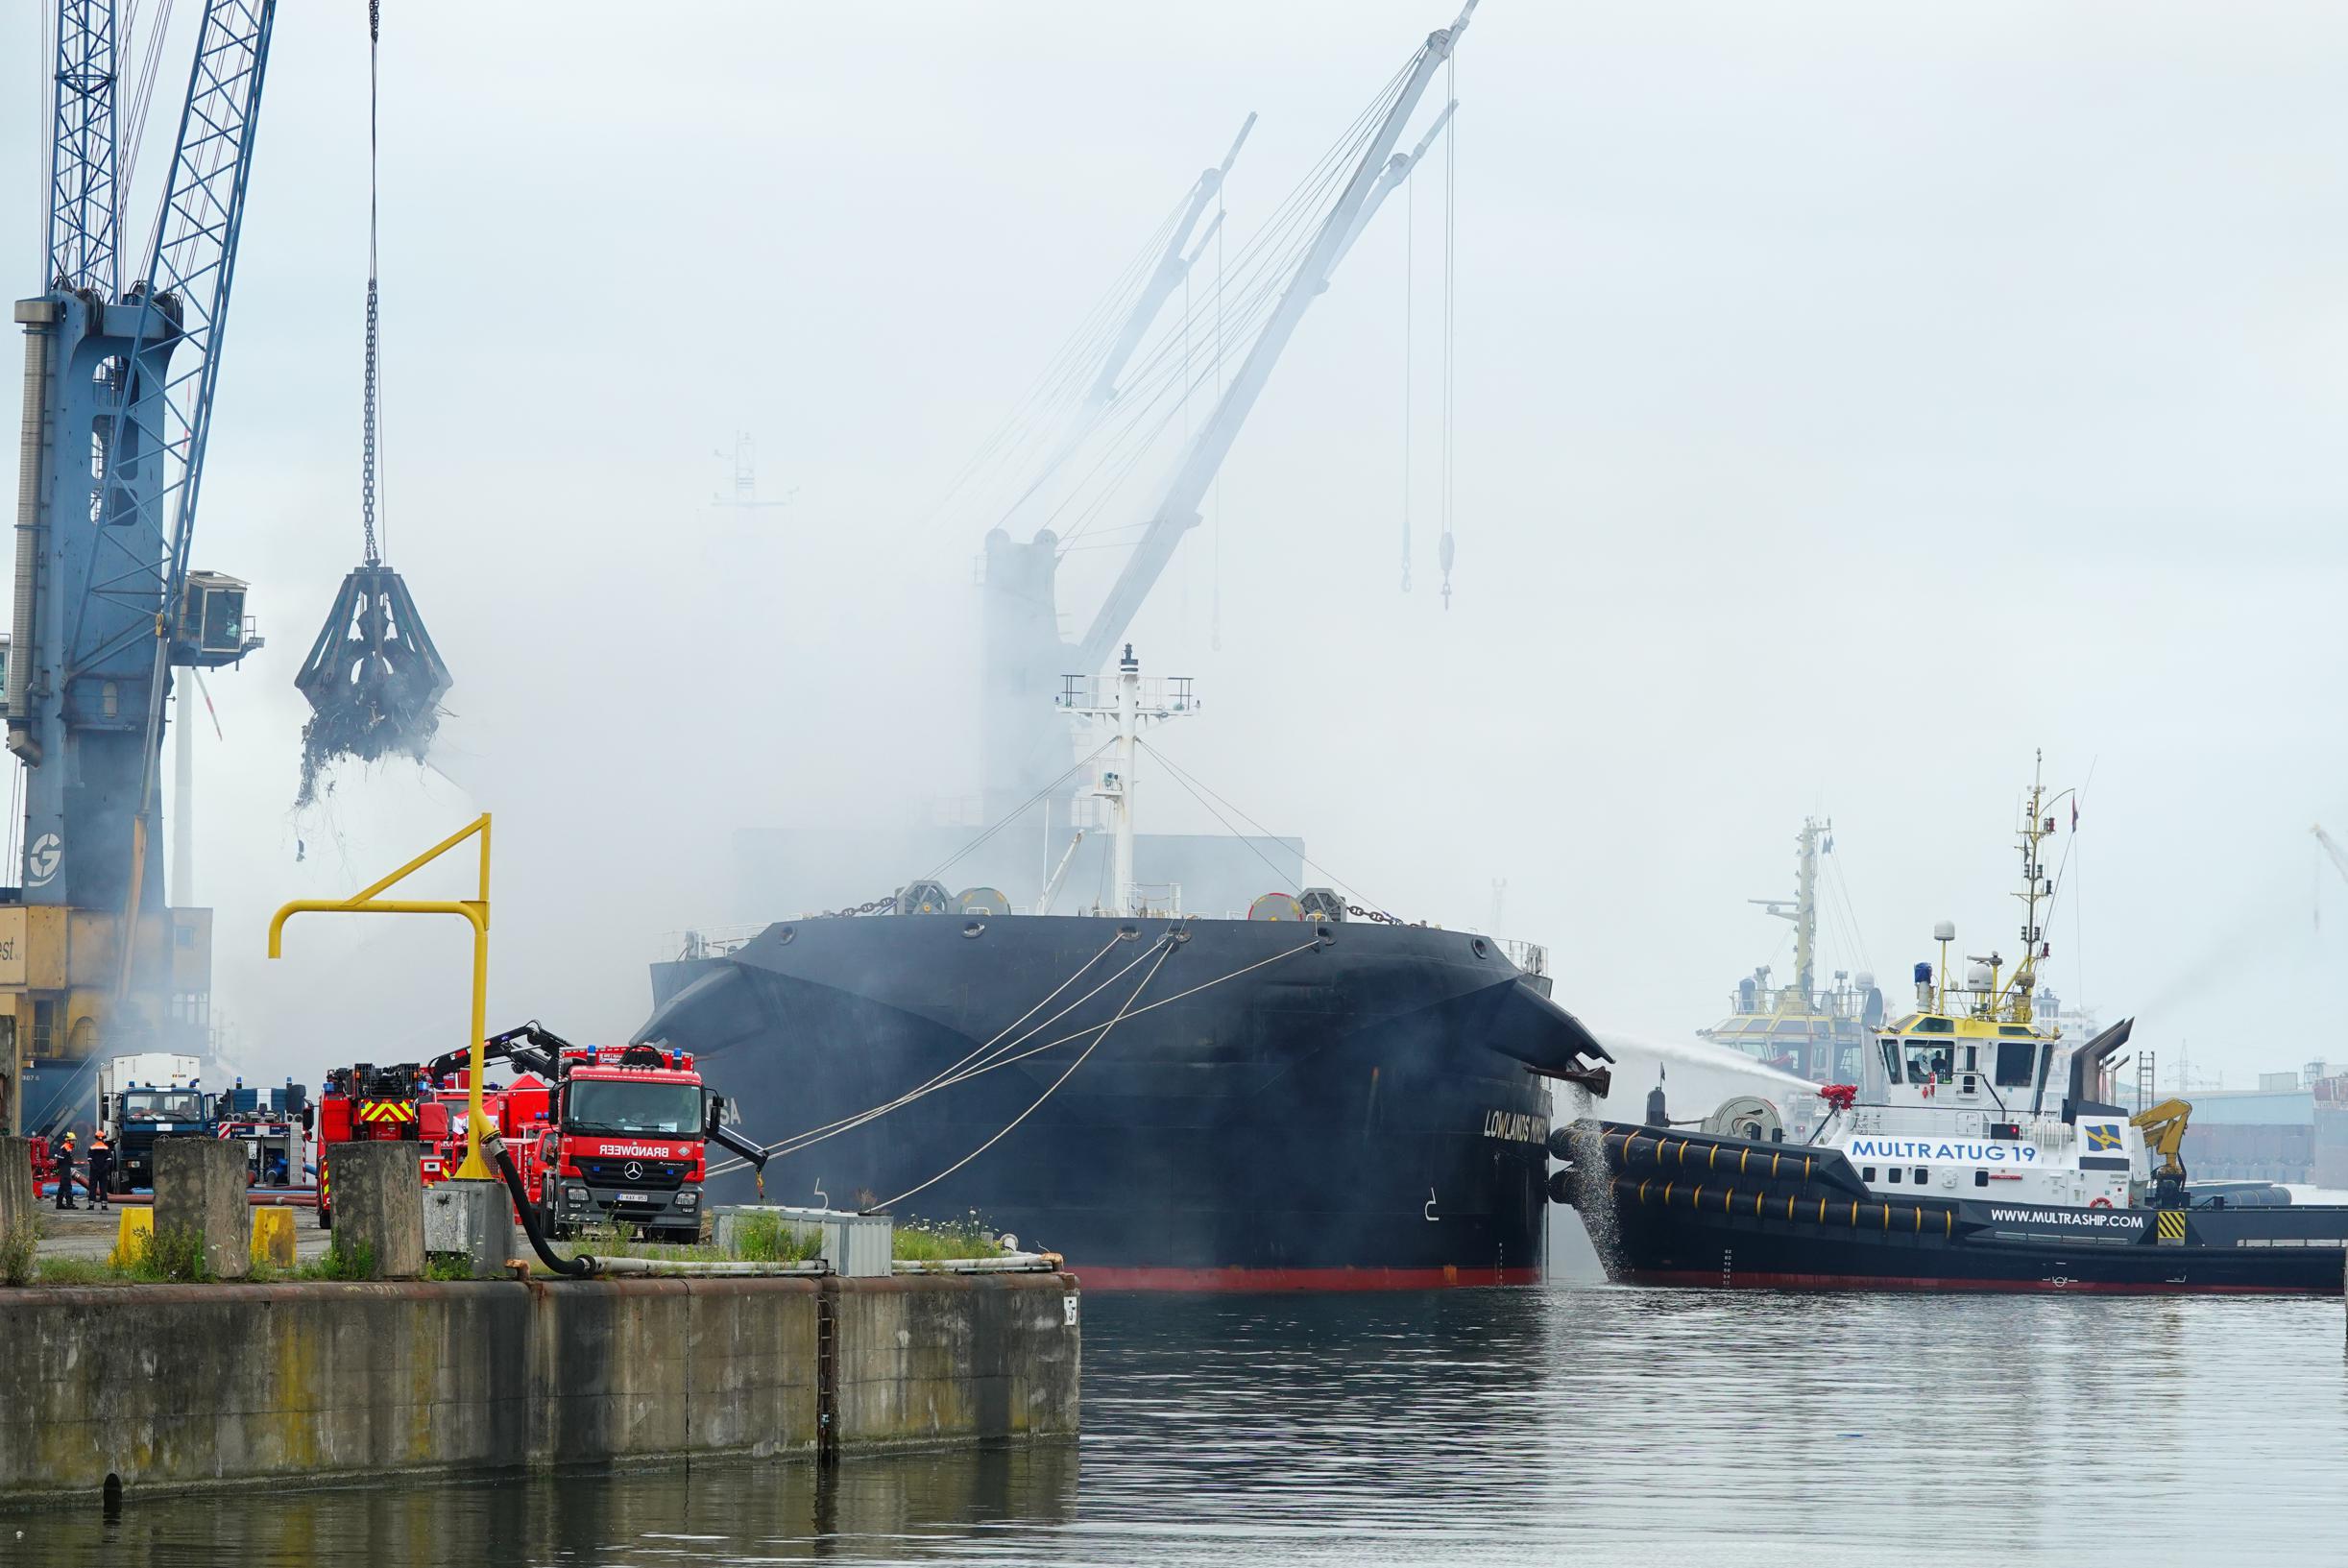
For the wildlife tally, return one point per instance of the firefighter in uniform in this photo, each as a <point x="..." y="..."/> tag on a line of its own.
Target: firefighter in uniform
<point x="61" y="1152"/>
<point x="101" y="1170"/>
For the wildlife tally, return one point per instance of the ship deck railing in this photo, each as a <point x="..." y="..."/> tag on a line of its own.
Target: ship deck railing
<point x="719" y="941"/>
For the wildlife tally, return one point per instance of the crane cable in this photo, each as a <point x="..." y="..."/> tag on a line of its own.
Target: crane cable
<point x="1451" y="164"/>
<point x="1410" y="241"/>
<point x="367" y="476"/>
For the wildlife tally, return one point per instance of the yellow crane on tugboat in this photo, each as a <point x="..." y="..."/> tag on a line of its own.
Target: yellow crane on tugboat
<point x="2164" y="1128"/>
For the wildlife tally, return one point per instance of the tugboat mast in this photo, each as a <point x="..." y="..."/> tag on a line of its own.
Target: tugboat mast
<point x="1804" y="911"/>
<point x="2015" y="1000"/>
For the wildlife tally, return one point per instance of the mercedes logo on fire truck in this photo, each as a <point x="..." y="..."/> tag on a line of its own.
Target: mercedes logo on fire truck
<point x="634" y="1171"/>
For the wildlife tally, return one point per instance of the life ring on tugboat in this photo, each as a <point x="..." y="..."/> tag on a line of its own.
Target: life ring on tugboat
<point x="2098" y="1202"/>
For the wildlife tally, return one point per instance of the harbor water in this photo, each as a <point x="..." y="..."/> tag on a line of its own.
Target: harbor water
<point x="1559" y="1425"/>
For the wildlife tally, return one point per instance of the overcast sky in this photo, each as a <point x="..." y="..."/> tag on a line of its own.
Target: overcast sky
<point x="1850" y="401"/>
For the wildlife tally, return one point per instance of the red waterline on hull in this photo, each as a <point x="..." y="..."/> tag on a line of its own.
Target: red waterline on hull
<point x="1742" y="1280"/>
<point x="1297" y="1278"/>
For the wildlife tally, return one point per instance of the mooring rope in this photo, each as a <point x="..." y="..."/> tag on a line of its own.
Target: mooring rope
<point x="792" y="1142"/>
<point x="953" y="1074"/>
<point x="957" y="1075"/>
<point x="957" y="1070"/>
<point x="1162" y="1002"/>
<point x="1166" y="947"/>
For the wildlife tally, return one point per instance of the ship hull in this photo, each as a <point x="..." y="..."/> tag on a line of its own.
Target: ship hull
<point x="1734" y="1213"/>
<point x="1208" y="1105"/>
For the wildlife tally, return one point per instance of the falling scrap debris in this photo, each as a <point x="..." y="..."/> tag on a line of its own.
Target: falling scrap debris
<point x="374" y="680"/>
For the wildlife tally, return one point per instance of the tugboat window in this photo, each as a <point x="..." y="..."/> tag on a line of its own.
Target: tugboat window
<point x="1895" y="1173"/>
<point x="1922" y="1176"/>
<point x="2014" y="1058"/>
<point x="1980" y="1178"/>
<point x="1927" y="1061"/>
<point x="1867" y="1173"/>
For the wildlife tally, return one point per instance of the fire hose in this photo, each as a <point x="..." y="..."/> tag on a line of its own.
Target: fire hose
<point x="582" y="1266"/>
<point x="586" y="1266"/>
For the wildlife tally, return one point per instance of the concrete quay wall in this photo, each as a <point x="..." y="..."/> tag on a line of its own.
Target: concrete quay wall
<point x="166" y="1388"/>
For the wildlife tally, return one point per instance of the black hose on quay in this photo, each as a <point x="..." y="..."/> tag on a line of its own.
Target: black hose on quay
<point x="579" y="1268"/>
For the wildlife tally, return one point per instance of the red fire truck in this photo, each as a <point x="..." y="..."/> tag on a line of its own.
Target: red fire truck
<point x="372" y="1103"/>
<point x="611" y="1134"/>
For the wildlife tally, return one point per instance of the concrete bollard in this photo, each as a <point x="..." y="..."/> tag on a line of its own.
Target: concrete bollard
<point x="16" y="1194"/>
<point x="379" y="1205"/>
<point x="200" y="1188"/>
<point x="472" y="1219"/>
<point x="273" y="1238"/>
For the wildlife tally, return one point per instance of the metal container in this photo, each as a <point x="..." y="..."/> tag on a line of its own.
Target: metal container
<point x="855" y="1245"/>
<point x="472" y="1218"/>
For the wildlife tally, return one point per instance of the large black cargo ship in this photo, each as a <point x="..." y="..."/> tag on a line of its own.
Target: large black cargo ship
<point x="1304" y="1096"/>
<point x="1169" y="1102"/>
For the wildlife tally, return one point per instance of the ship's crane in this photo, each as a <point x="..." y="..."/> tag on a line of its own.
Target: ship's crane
<point x="118" y="403"/>
<point x="1099" y="363"/>
<point x="1024" y="654"/>
<point x="1176" y="511"/>
<point x="2164" y="1127"/>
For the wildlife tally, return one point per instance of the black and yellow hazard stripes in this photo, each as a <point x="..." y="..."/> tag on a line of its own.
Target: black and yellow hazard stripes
<point x="2168" y="1227"/>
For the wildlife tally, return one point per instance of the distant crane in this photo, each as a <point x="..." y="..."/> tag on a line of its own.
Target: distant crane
<point x="118" y="407"/>
<point x="742" y="493"/>
<point x="1023" y="655"/>
<point x="2338" y="858"/>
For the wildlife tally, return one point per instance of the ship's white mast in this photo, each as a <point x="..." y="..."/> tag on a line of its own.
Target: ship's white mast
<point x="1131" y="705"/>
<point x="1119" y="785"/>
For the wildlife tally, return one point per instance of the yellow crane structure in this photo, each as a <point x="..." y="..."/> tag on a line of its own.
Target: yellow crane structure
<point x="2164" y="1128"/>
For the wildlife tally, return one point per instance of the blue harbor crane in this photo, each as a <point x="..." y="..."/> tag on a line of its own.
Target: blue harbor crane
<point x="119" y="384"/>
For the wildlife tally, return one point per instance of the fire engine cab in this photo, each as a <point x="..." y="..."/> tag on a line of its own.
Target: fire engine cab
<point x="604" y="1134"/>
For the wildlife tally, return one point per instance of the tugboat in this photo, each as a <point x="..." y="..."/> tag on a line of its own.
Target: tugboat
<point x="1980" y="1151"/>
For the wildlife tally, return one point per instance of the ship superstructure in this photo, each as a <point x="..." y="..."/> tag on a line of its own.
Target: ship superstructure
<point x="1810" y="1030"/>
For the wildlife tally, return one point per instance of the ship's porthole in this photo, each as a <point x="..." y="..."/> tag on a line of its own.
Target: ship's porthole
<point x="972" y="927"/>
<point x="1480" y="948"/>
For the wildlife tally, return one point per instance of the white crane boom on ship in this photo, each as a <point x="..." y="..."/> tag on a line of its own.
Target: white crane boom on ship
<point x="1178" y="509"/>
<point x="1024" y="653"/>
